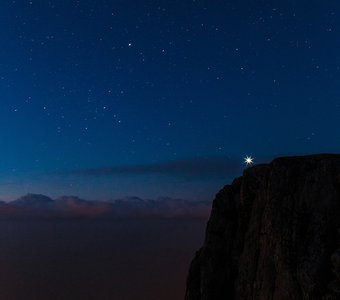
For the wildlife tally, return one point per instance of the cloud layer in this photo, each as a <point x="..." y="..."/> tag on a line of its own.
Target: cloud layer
<point x="216" y="167"/>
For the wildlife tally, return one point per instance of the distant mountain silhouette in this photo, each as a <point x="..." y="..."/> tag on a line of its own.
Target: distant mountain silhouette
<point x="273" y="234"/>
<point x="33" y="200"/>
<point x="35" y="205"/>
<point x="70" y="200"/>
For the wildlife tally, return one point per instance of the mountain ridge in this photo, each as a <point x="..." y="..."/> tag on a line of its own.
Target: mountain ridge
<point x="37" y="205"/>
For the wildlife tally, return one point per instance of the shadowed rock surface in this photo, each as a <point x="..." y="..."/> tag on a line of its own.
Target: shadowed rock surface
<point x="273" y="234"/>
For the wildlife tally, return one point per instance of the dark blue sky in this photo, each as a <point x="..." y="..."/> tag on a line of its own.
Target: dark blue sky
<point x="152" y="84"/>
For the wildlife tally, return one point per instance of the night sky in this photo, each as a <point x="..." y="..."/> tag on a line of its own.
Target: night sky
<point x="105" y="99"/>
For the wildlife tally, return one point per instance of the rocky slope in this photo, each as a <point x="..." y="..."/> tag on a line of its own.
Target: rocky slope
<point x="273" y="234"/>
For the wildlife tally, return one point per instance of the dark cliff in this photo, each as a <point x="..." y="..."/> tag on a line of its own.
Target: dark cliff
<point x="273" y="234"/>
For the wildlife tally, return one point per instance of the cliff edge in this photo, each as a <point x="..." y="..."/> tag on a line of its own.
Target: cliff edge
<point x="273" y="234"/>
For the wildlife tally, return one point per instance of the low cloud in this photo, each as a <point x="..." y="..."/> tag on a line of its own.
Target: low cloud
<point x="216" y="167"/>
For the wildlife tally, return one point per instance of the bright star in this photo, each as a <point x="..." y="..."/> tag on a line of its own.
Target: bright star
<point x="248" y="160"/>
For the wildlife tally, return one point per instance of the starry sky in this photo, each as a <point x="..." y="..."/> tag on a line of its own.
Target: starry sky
<point x="105" y="99"/>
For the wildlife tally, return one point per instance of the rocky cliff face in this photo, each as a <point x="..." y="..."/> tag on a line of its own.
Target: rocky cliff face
<point x="273" y="234"/>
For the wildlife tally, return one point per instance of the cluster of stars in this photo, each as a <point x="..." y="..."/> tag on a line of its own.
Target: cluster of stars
<point x="184" y="78"/>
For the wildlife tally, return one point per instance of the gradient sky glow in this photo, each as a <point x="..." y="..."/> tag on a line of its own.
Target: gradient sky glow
<point x="106" y="84"/>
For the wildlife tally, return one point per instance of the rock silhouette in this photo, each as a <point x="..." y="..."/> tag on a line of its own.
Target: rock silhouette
<point x="273" y="234"/>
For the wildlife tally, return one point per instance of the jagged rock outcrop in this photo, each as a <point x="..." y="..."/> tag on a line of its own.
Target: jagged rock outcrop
<point x="273" y="234"/>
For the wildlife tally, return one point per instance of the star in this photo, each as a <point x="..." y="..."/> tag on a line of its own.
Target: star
<point x="248" y="160"/>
